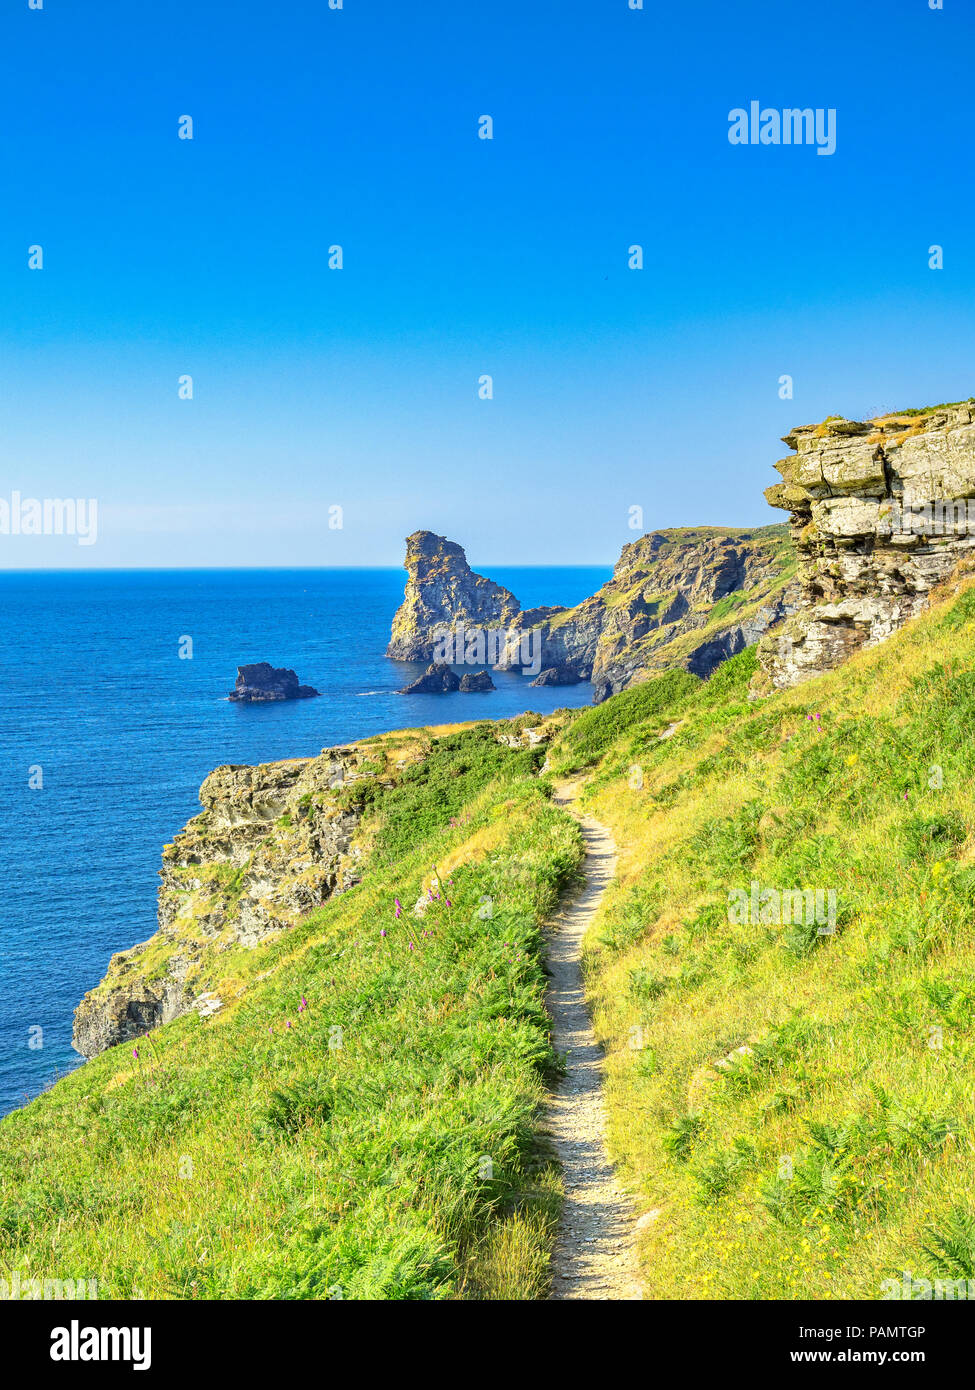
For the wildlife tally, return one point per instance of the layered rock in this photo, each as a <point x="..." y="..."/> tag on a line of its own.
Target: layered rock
<point x="441" y="590"/>
<point x="688" y="598"/>
<point x="272" y="843"/>
<point x="879" y="516"/>
<point x="261" y="681"/>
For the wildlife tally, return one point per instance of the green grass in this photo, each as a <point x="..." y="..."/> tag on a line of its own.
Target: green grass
<point x="795" y="1105"/>
<point x="595" y="730"/>
<point x="798" y="1107"/>
<point x="379" y="1143"/>
<point x="431" y="792"/>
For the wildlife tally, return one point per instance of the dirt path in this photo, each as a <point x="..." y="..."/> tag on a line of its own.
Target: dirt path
<point x="594" y="1256"/>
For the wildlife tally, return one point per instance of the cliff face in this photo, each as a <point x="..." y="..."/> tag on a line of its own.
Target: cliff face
<point x="273" y="842"/>
<point x="688" y="598"/>
<point x="442" y="589"/>
<point x="879" y="516"/>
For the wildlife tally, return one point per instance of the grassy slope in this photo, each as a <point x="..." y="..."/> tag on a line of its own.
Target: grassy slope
<point x="858" y="1081"/>
<point x="382" y="1145"/>
<point x="244" y="1158"/>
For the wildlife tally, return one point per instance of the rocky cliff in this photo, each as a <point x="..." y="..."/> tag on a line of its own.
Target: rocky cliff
<point x="272" y="843"/>
<point x="687" y="597"/>
<point x="879" y="515"/>
<point x="442" y="589"/>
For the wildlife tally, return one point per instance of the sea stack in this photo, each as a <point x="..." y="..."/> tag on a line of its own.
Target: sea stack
<point x="437" y="679"/>
<point x="262" y="682"/>
<point x="442" y="590"/>
<point x="476" y="681"/>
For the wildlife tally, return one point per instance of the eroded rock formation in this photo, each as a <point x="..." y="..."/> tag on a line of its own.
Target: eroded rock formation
<point x="441" y="590"/>
<point x="879" y="516"/>
<point x="688" y="598"/>
<point x="272" y="843"/>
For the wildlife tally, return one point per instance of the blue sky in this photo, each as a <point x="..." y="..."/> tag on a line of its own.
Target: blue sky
<point x="612" y="387"/>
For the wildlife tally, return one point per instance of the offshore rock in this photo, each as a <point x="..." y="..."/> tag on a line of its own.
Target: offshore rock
<point x="441" y="590"/>
<point x="475" y="681"/>
<point x="879" y="516"/>
<point x="437" y="679"/>
<point x="262" y="681"/>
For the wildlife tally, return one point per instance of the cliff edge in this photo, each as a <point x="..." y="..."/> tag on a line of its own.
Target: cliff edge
<point x="273" y="843"/>
<point x="880" y="514"/>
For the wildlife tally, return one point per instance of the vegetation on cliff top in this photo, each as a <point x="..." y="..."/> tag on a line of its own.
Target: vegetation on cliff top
<point x="793" y="1106"/>
<point x="359" y="1121"/>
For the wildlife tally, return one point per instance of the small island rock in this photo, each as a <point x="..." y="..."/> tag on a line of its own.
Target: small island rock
<point x="262" y="681"/>
<point x="437" y="679"/>
<point x="476" y="680"/>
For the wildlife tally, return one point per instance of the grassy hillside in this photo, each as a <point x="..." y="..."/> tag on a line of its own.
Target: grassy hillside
<point x="794" y="1106"/>
<point x="360" y="1123"/>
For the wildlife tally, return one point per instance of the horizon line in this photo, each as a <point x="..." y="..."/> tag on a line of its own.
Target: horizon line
<point x="181" y="569"/>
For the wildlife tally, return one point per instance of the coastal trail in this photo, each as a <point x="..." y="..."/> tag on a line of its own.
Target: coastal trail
<point x="594" y="1256"/>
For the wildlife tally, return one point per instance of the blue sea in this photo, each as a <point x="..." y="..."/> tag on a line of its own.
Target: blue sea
<point x="95" y="695"/>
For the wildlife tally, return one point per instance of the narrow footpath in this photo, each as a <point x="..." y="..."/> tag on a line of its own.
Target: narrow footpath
<point x="594" y="1256"/>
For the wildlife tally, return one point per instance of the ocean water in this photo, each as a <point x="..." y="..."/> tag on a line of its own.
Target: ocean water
<point x="95" y="695"/>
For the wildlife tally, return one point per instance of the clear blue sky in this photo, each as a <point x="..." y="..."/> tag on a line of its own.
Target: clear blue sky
<point x="613" y="387"/>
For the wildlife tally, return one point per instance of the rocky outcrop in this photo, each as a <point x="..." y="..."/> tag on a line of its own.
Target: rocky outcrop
<point x="879" y="515"/>
<point x="686" y="598"/>
<point x="441" y="590"/>
<point x="126" y="1010"/>
<point x="472" y="681"/>
<point x="262" y="681"/>
<point x="437" y="679"/>
<point x="557" y="675"/>
<point x="272" y="843"/>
